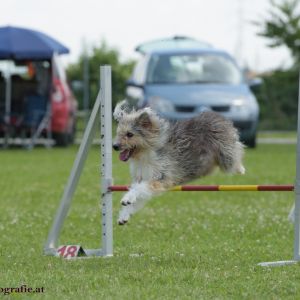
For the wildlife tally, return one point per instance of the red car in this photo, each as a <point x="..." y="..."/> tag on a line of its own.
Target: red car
<point x="63" y="106"/>
<point x="41" y="99"/>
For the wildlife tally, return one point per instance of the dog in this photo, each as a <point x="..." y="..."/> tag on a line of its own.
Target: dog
<point x="163" y="154"/>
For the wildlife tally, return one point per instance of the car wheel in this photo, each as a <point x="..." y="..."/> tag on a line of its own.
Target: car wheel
<point x="61" y="139"/>
<point x="72" y="134"/>
<point x="251" y="143"/>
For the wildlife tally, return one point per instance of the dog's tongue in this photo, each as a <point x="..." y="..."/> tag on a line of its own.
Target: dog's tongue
<point x="124" y="155"/>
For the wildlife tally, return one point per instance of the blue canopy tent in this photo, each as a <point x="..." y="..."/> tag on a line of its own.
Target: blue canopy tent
<point x="25" y="44"/>
<point x="20" y="43"/>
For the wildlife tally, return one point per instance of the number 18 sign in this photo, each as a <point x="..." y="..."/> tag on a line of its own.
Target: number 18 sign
<point x="70" y="251"/>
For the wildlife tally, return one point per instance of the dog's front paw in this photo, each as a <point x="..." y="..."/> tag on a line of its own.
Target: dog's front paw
<point x="124" y="216"/>
<point x="122" y="222"/>
<point x="129" y="198"/>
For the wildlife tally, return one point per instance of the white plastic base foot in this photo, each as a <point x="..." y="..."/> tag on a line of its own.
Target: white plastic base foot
<point x="278" y="263"/>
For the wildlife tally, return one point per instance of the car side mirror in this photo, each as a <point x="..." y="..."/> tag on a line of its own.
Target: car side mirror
<point x="255" y="82"/>
<point x="132" y="83"/>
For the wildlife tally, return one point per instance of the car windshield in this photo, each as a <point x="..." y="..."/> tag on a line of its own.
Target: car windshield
<point x="191" y="69"/>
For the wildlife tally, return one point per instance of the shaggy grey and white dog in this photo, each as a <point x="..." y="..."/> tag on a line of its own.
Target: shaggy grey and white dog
<point x="164" y="154"/>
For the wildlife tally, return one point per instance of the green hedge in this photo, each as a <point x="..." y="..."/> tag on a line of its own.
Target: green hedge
<point x="278" y="100"/>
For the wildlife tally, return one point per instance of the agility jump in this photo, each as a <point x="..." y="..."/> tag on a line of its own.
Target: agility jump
<point x="103" y="107"/>
<point x="218" y="188"/>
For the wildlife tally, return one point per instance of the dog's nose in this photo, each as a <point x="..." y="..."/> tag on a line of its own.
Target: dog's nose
<point x="116" y="147"/>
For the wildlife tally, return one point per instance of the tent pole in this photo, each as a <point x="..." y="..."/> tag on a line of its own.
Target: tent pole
<point x="7" y="105"/>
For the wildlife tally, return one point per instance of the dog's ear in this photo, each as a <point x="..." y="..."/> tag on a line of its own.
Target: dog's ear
<point x="144" y="120"/>
<point x="121" y="109"/>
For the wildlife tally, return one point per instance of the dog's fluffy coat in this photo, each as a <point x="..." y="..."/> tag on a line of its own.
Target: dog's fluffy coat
<point x="163" y="154"/>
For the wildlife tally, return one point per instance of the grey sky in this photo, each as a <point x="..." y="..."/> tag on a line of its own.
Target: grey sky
<point x="124" y="24"/>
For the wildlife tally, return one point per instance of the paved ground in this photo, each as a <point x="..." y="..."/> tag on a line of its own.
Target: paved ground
<point x="276" y="140"/>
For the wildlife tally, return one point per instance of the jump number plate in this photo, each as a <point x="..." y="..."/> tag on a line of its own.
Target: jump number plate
<point x="70" y="251"/>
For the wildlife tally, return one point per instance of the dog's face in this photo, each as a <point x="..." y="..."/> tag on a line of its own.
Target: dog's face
<point x="135" y="134"/>
<point x="137" y="131"/>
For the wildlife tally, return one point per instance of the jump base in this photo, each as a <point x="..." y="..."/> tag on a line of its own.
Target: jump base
<point x="87" y="253"/>
<point x="278" y="263"/>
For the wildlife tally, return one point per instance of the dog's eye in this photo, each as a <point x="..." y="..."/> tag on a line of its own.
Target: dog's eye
<point x="129" y="134"/>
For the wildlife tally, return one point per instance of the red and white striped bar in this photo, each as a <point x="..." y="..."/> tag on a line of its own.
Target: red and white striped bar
<point x="218" y="188"/>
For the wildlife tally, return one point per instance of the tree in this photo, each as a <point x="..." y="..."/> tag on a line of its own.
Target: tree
<point x="282" y="27"/>
<point x="278" y="94"/>
<point x="277" y="99"/>
<point x="102" y="55"/>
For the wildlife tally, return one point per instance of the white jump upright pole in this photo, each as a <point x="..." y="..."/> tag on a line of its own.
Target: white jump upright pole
<point x="296" y="210"/>
<point x="297" y="190"/>
<point x="106" y="161"/>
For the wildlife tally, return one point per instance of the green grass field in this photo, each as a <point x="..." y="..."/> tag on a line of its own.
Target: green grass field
<point x="197" y="245"/>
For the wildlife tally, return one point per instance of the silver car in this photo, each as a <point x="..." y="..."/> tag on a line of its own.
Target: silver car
<point x="181" y="82"/>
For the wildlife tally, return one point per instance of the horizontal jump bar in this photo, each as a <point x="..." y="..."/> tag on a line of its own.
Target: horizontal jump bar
<point x="217" y="188"/>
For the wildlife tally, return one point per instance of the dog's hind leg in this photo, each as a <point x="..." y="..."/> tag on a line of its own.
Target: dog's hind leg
<point x="230" y="159"/>
<point x="238" y="166"/>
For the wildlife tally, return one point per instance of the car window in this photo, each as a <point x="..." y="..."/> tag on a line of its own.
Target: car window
<point x="172" y="43"/>
<point x="138" y="75"/>
<point x="189" y="69"/>
<point x="58" y="68"/>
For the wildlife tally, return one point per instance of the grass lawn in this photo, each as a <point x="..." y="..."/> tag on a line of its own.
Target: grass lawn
<point x="196" y="245"/>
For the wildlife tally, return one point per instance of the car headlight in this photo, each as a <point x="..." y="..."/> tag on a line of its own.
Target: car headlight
<point x="245" y="107"/>
<point x="240" y="105"/>
<point x="238" y="102"/>
<point x="160" y="104"/>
